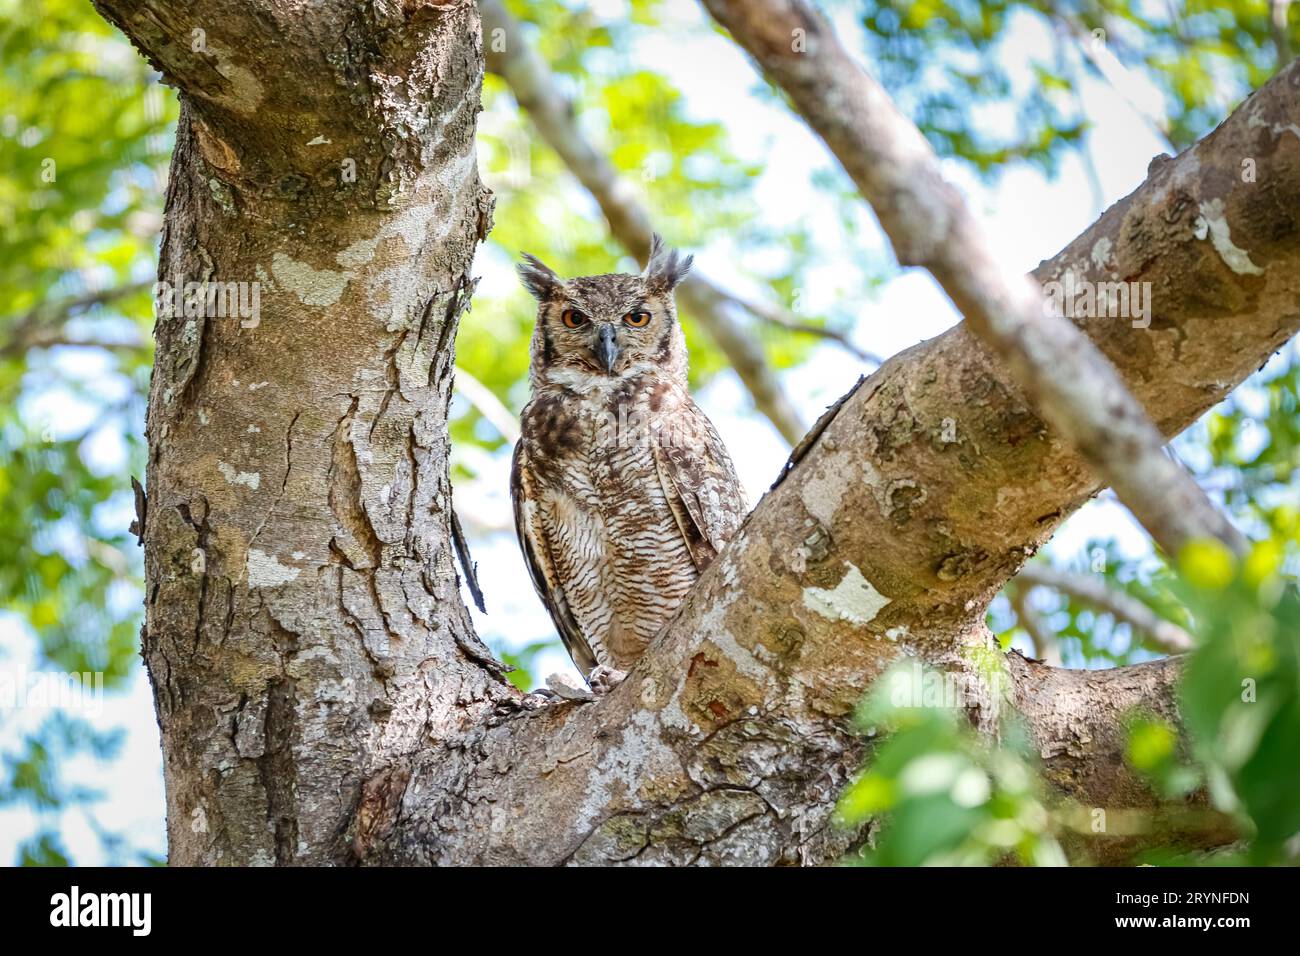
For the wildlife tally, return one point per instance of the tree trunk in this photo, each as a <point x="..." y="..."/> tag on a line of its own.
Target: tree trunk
<point x="321" y="694"/>
<point x="303" y="622"/>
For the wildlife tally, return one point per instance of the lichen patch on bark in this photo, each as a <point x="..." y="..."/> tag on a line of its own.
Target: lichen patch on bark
<point x="854" y="599"/>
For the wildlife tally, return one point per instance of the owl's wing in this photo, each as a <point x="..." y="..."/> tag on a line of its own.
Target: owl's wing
<point x="541" y="566"/>
<point x="700" y="484"/>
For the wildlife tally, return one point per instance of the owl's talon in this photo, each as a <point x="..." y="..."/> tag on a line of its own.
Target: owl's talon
<point x="561" y="686"/>
<point x="604" y="679"/>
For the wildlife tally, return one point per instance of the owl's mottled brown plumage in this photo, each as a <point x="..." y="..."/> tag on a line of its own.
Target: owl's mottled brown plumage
<point x="623" y="491"/>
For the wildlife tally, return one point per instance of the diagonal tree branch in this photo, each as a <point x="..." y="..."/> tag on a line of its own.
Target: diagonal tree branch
<point x="778" y="316"/>
<point x="534" y="88"/>
<point x="1114" y="72"/>
<point x="1068" y="378"/>
<point x="488" y="405"/>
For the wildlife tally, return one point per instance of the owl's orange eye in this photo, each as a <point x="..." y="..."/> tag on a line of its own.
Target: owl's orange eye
<point x="637" y="320"/>
<point x="573" y="319"/>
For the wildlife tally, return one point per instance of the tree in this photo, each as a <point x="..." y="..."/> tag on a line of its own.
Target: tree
<point x="322" y="695"/>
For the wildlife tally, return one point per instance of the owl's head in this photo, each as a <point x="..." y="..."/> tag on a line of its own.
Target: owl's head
<point x="594" y="328"/>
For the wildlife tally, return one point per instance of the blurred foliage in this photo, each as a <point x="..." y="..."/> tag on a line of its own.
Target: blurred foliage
<point x="945" y="62"/>
<point x="32" y="774"/>
<point x="84" y="140"/>
<point x="51" y="503"/>
<point x="1085" y="635"/>
<point x="1240" y="693"/>
<point x="85" y="136"/>
<point x="937" y="793"/>
<point x="1239" y="697"/>
<point x="971" y="106"/>
<point x="947" y="796"/>
<point x="522" y="660"/>
<point x="1250" y="448"/>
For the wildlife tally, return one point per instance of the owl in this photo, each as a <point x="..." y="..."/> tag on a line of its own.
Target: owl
<point x="623" y="492"/>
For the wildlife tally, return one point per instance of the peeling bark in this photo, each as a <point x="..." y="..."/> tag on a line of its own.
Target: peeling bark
<point x="303" y="621"/>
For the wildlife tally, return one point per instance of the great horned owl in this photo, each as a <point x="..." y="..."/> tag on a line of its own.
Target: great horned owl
<point x="623" y="492"/>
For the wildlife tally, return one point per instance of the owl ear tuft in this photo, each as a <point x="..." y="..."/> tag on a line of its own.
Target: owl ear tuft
<point x="539" y="278"/>
<point x="665" y="267"/>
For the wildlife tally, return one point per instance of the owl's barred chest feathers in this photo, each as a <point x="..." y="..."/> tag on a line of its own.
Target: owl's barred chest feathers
<point x="622" y="489"/>
<point x="615" y="541"/>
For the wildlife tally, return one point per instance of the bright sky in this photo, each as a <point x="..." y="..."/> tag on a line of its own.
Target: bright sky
<point x="1027" y="217"/>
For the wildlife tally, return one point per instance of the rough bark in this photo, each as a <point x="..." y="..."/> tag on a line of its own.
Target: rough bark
<point x="303" y="623"/>
<point x="321" y="694"/>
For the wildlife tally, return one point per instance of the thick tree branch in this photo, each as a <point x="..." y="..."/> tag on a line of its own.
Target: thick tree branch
<point x="918" y="497"/>
<point x="1080" y="720"/>
<point x="1067" y="377"/>
<point x="1166" y="635"/>
<point x="534" y="88"/>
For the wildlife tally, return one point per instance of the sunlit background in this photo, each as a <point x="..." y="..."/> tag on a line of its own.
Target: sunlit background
<point x="1044" y="113"/>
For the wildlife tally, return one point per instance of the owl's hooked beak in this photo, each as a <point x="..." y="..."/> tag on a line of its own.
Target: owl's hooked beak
<point x="606" y="348"/>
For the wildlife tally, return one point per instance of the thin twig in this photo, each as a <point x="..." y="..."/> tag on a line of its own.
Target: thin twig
<point x="777" y="316"/>
<point x="1095" y="591"/>
<point x="466" y="562"/>
<point x="1047" y="647"/>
